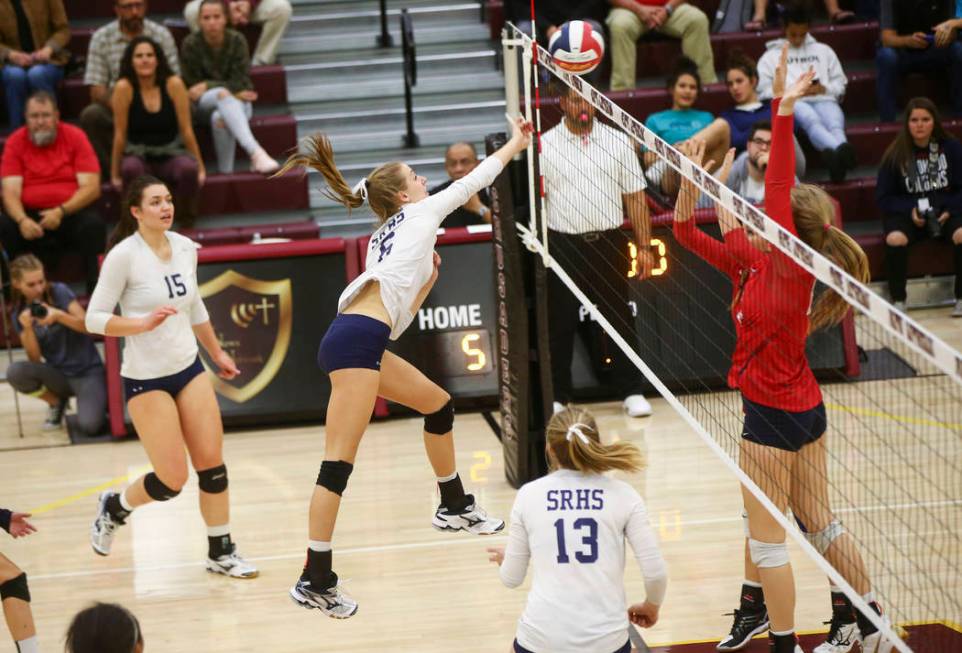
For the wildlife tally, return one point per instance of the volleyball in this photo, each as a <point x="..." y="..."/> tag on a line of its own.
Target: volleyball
<point x="576" y="47"/>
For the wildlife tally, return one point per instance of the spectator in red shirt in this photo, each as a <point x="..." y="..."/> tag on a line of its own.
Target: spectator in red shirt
<point x="51" y="179"/>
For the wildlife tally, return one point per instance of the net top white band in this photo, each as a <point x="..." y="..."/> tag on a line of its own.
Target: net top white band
<point x="857" y="294"/>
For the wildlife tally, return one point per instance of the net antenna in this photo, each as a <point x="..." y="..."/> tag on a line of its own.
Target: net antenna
<point x="882" y="427"/>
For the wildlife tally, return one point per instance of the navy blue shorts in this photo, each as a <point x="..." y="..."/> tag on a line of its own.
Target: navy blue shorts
<point x="353" y="341"/>
<point x="782" y="429"/>
<point x="171" y="384"/>
<point x="520" y="649"/>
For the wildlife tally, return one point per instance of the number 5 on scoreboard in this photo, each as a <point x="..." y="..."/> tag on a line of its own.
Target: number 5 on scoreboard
<point x="661" y="251"/>
<point x="469" y="345"/>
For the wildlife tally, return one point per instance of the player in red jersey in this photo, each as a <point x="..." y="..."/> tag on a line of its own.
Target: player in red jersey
<point x="782" y="449"/>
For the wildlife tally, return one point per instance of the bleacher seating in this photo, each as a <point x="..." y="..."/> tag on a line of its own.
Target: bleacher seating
<point x="240" y="192"/>
<point x="855" y="45"/>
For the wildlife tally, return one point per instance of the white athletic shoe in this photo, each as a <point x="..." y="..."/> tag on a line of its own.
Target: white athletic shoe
<point x="637" y="406"/>
<point x="957" y="309"/>
<point x="55" y="415"/>
<point x="104" y="528"/>
<point x="333" y="601"/>
<point x="876" y="642"/>
<point x="842" y="638"/>
<point x="231" y="564"/>
<point x="474" y="520"/>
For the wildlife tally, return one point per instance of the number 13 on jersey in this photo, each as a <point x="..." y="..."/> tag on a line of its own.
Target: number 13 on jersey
<point x="587" y="527"/>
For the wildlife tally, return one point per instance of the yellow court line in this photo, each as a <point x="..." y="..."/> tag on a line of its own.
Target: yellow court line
<point x="953" y="426"/>
<point x="83" y="494"/>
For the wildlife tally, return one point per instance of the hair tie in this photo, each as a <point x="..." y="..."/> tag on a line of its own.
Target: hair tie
<point x="828" y="225"/>
<point x="360" y="188"/>
<point x="575" y="429"/>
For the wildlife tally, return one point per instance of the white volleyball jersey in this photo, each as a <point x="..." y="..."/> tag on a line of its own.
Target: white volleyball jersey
<point x="133" y="276"/>
<point x="573" y="527"/>
<point x="400" y="253"/>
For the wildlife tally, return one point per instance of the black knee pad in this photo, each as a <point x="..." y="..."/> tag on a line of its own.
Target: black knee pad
<point x="15" y="588"/>
<point x="213" y="480"/>
<point x="334" y="475"/>
<point x="442" y="421"/>
<point x="156" y="489"/>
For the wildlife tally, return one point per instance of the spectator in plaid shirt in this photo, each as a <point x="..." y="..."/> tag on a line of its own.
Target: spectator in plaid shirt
<point x="103" y="68"/>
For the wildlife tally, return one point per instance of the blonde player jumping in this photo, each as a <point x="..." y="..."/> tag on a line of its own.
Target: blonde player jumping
<point x="152" y="273"/>
<point x="400" y="270"/>
<point x="574" y="523"/>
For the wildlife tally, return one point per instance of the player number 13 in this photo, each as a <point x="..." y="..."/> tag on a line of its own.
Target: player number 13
<point x="589" y="540"/>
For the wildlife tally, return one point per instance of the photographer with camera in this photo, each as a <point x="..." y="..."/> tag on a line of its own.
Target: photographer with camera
<point x="63" y="360"/>
<point x="919" y="194"/>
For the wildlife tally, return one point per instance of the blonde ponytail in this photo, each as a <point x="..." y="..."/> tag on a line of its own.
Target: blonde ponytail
<point x="839" y="247"/>
<point x="813" y="213"/>
<point x="383" y="184"/>
<point x="572" y="436"/>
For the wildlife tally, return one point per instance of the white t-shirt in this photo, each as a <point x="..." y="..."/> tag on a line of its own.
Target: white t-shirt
<point x="574" y="527"/>
<point x="586" y="176"/>
<point x="133" y="276"/>
<point x="400" y="254"/>
<point x="752" y="190"/>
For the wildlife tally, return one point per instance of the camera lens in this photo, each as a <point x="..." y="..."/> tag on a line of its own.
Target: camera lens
<point x="38" y="310"/>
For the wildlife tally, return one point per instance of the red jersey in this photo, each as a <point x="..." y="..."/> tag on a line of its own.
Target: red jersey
<point x="773" y="294"/>
<point x="49" y="173"/>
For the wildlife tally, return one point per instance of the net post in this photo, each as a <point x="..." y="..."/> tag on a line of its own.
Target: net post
<point x="512" y="95"/>
<point x="521" y="397"/>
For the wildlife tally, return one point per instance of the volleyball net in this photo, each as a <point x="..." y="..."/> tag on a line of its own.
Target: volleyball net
<point x="650" y="313"/>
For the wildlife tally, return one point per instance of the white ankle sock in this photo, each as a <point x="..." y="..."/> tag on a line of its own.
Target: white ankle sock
<point x="783" y="633"/>
<point x="318" y="545"/>
<point x="29" y="645"/>
<point x="751" y="583"/>
<point x="218" y="531"/>
<point x="869" y="596"/>
<point x="123" y="502"/>
<point x="450" y="477"/>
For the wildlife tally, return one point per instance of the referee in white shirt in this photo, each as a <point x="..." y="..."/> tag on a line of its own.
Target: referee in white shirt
<point x="592" y="182"/>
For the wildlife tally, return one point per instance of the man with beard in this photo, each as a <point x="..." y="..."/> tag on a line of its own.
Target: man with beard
<point x="460" y="159"/>
<point x="593" y="180"/>
<point x="103" y="68"/>
<point x="50" y="180"/>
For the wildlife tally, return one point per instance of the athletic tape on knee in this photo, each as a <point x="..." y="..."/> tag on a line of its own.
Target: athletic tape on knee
<point x="15" y="588"/>
<point x="156" y="489"/>
<point x="213" y="480"/>
<point x="442" y="421"/>
<point x="334" y="475"/>
<point x="767" y="555"/>
<point x="824" y="538"/>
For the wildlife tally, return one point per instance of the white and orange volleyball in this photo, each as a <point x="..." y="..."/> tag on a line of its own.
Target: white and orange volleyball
<point x="577" y="47"/>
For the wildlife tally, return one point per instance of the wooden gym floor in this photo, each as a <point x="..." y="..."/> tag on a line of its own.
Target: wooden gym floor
<point x="419" y="590"/>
